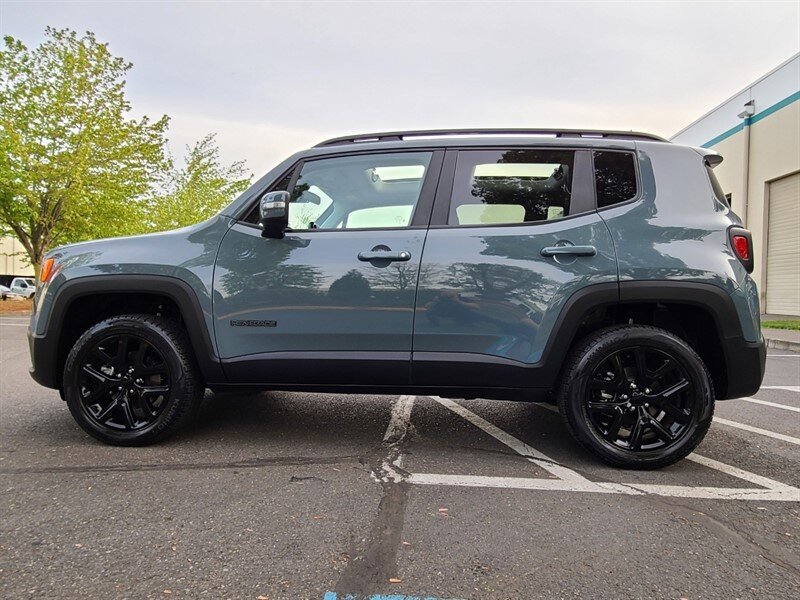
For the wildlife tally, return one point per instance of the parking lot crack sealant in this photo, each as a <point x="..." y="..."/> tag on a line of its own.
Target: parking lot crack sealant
<point x="373" y="560"/>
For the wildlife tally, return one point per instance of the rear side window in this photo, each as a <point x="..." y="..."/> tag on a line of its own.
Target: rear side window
<point x="615" y="177"/>
<point x="494" y="187"/>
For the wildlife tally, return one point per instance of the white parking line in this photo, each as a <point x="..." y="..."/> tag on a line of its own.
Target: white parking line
<point x="770" y="490"/>
<point x="13" y="324"/>
<point x="737" y="472"/>
<point x="758" y="430"/>
<point x="787" y="388"/>
<point x="772" y="404"/>
<point x="521" y="448"/>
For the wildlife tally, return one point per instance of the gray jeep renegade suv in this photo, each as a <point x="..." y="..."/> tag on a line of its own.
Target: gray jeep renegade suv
<point x="602" y="269"/>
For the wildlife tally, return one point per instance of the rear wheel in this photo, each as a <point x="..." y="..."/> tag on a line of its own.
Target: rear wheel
<point x="131" y="380"/>
<point x="637" y="396"/>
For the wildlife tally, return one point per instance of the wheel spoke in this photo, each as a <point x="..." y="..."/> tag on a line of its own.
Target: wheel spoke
<point x="662" y="370"/>
<point x="604" y="406"/>
<point x="144" y="407"/>
<point x="101" y="357"/>
<point x="102" y="416"/>
<point x="138" y="359"/>
<point x="129" y="419"/>
<point x="122" y="352"/>
<point x="620" y="369"/>
<point x="662" y="432"/>
<point x="635" y="439"/>
<point x="612" y="432"/>
<point x="641" y="364"/>
<point x="678" y="414"/>
<point x="148" y="390"/>
<point x="675" y="388"/>
<point x="96" y="375"/>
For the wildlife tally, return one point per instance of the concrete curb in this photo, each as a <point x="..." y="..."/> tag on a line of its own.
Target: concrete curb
<point x="782" y="345"/>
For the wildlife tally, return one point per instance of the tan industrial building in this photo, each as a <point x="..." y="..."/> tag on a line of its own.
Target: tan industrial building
<point x="13" y="260"/>
<point x="757" y="131"/>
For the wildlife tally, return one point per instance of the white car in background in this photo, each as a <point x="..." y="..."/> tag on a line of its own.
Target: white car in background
<point x="23" y="286"/>
<point x="4" y="292"/>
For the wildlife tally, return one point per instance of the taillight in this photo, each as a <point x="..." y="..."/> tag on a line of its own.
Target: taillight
<point x="742" y="244"/>
<point x="742" y="247"/>
<point x="47" y="270"/>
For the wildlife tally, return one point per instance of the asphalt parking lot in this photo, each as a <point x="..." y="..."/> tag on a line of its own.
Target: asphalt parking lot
<point x="278" y="495"/>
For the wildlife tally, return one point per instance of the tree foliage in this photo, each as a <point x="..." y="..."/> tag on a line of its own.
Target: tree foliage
<point x="75" y="165"/>
<point x="199" y="189"/>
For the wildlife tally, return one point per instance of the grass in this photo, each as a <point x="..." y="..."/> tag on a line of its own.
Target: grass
<point x="793" y="324"/>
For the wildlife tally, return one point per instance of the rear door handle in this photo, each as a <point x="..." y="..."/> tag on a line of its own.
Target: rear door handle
<point x="569" y="250"/>
<point x="400" y="256"/>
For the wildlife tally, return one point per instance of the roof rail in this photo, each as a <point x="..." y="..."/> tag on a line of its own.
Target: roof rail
<point x="394" y="136"/>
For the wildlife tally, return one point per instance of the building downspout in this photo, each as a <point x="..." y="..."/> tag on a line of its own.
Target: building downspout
<point x="749" y="110"/>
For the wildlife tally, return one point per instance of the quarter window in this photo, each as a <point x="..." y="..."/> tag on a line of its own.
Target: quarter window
<point x="511" y="186"/>
<point x="615" y="177"/>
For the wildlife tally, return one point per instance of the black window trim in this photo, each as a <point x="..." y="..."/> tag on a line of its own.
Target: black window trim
<point x="583" y="179"/>
<point x="420" y="218"/>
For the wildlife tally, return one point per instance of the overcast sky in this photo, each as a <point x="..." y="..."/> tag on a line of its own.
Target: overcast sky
<point x="272" y="77"/>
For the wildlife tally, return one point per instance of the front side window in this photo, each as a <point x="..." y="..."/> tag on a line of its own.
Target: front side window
<point x="615" y="177"/>
<point x="358" y="192"/>
<point x="494" y="187"/>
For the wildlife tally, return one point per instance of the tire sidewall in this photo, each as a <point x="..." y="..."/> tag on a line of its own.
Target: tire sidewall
<point x="702" y="407"/>
<point x="151" y="334"/>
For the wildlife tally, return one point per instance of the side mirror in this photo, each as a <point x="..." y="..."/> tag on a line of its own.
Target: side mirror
<point x="274" y="208"/>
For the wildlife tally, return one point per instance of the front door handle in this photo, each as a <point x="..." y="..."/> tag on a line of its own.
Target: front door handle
<point x="370" y="255"/>
<point x="569" y="250"/>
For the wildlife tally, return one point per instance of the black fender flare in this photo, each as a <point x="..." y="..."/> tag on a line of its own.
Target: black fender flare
<point x="45" y="348"/>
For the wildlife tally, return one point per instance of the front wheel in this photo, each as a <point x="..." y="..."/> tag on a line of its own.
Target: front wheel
<point x="638" y="397"/>
<point x="131" y="380"/>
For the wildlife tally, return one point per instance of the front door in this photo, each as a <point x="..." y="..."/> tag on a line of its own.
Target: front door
<point x="514" y="235"/>
<point x="333" y="301"/>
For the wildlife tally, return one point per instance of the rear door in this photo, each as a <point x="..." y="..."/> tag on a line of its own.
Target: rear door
<point x="333" y="301"/>
<point x="513" y="236"/>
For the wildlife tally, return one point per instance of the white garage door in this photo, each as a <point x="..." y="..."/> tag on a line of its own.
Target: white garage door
<point x="783" y="252"/>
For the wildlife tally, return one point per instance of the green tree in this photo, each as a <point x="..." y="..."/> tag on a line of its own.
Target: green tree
<point x="198" y="190"/>
<point x="74" y="164"/>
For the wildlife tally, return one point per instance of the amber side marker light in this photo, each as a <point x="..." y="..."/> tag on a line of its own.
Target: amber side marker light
<point x="47" y="270"/>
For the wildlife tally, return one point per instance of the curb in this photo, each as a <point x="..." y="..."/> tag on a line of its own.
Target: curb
<point x="782" y="345"/>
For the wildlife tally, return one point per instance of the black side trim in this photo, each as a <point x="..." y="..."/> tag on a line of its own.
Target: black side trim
<point x="283" y="370"/>
<point x="44" y="348"/>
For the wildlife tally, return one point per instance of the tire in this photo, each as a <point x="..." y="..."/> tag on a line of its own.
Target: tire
<point x="132" y="380"/>
<point x="614" y="405"/>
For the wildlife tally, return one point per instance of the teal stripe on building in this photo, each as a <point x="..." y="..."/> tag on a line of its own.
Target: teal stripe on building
<point x="754" y="119"/>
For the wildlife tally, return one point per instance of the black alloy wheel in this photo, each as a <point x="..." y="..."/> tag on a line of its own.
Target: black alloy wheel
<point x="124" y="383"/>
<point x="132" y="380"/>
<point x="640" y="399"/>
<point x="636" y="396"/>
